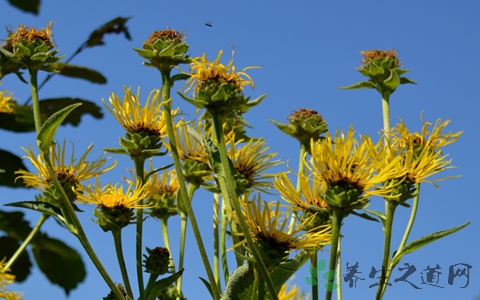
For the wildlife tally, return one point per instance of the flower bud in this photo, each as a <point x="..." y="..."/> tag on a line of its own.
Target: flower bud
<point x="157" y="261"/>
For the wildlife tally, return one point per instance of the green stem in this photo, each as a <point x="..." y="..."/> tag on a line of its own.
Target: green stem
<point x="223" y="241"/>
<point x="117" y="239"/>
<point x="216" y="239"/>
<point x="386" y="112"/>
<point x="413" y="214"/>
<point x="385" y="272"/>
<point x="25" y="243"/>
<point x="339" y="268"/>
<point x="36" y="104"/>
<point x="227" y="187"/>
<point x="191" y="188"/>
<point x="166" y="239"/>
<point x="337" y="218"/>
<point x="140" y="172"/>
<point x="167" y="85"/>
<point x="313" y="263"/>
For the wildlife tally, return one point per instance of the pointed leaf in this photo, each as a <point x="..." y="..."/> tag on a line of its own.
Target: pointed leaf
<point x="22" y="266"/>
<point x="377" y="213"/>
<point x="360" y="85"/>
<point x="404" y="80"/>
<point x="364" y="216"/>
<point x="49" y="128"/>
<point x="76" y="72"/>
<point x="30" y="6"/>
<point x="9" y="164"/>
<point x="20" y="121"/>
<point x="52" y="105"/>
<point x="393" y="81"/>
<point x="116" y="26"/>
<point x="423" y="241"/>
<point x="179" y="76"/>
<point x="43" y="207"/>
<point x="152" y="291"/>
<point x="207" y="285"/>
<point x="59" y="262"/>
<point x="281" y="273"/>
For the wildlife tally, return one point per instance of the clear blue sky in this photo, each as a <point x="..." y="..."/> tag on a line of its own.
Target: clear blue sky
<point x="307" y="50"/>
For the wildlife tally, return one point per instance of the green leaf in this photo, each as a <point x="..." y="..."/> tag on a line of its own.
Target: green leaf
<point x="76" y="72"/>
<point x="10" y="163"/>
<point x="116" y="26"/>
<point x="14" y="225"/>
<point x="377" y="213"/>
<point x="20" y="121"/>
<point x="284" y="271"/>
<point x="29" y="6"/>
<point x="22" y="266"/>
<point x="52" y="105"/>
<point x="423" y="241"/>
<point x="43" y="207"/>
<point x="59" y="262"/>
<point x="207" y="285"/>
<point x="405" y="80"/>
<point x="360" y="85"/>
<point x="152" y="291"/>
<point x="393" y="81"/>
<point x="180" y="76"/>
<point x="364" y="216"/>
<point x="49" y="128"/>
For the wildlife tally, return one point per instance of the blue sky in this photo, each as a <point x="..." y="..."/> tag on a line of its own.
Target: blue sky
<point x="307" y="49"/>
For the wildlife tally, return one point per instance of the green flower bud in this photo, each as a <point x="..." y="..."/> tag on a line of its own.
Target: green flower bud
<point x="164" y="50"/>
<point x="157" y="261"/>
<point x="113" y="218"/>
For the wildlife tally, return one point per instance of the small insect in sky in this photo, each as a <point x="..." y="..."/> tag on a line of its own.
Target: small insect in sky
<point x="208" y="24"/>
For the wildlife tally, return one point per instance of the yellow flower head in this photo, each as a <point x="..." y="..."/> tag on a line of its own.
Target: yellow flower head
<point x="69" y="173"/>
<point x="311" y="194"/>
<point x="269" y="227"/>
<point x="30" y="35"/>
<point x="113" y="196"/>
<point x="7" y="279"/>
<point x="251" y="160"/>
<point x="294" y="293"/>
<point x="421" y="153"/>
<point x="348" y="169"/>
<point x="204" y="71"/>
<point x="135" y="118"/>
<point x="162" y="190"/>
<point x="373" y="55"/>
<point x="6" y="103"/>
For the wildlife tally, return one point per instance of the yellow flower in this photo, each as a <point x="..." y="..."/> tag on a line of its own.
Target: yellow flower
<point x="293" y="294"/>
<point x="6" y="103"/>
<point x="250" y="160"/>
<point x="70" y="174"/>
<point x="311" y="195"/>
<point x="421" y="153"/>
<point x="7" y="279"/>
<point x="348" y="169"/>
<point x="204" y="70"/>
<point x="135" y="118"/>
<point x="113" y="196"/>
<point x="269" y="227"/>
<point x="163" y="194"/>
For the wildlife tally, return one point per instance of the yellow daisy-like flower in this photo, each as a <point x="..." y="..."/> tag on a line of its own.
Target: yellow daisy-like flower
<point x="311" y="195"/>
<point x="348" y="169"/>
<point x="269" y="227"/>
<point x="203" y="70"/>
<point x="6" y="103"/>
<point x="294" y="293"/>
<point x="113" y="196"/>
<point x="147" y="119"/>
<point x="70" y="174"/>
<point x="421" y="153"/>
<point x="251" y="160"/>
<point x="7" y="279"/>
<point x="163" y="194"/>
